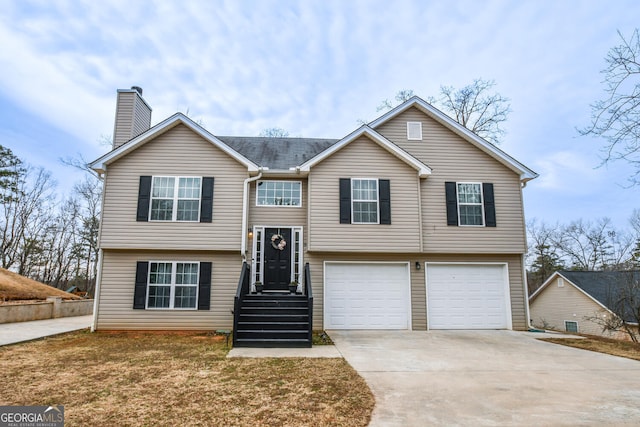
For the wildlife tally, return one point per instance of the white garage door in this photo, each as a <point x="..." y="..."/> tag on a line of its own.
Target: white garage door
<point x="366" y="296"/>
<point x="468" y="296"/>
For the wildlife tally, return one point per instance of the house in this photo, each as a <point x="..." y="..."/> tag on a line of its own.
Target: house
<point x="408" y="222"/>
<point x="571" y="300"/>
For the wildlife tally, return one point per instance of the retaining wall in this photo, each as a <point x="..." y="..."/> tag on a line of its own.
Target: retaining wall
<point x="52" y="308"/>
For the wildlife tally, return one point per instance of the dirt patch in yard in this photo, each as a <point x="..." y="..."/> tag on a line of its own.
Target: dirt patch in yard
<point x="107" y="379"/>
<point x="627" y="349"/>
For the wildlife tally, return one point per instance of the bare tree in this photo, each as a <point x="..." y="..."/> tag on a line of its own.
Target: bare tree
<point x="274" y="133"/>
<point x="543" y="254"/>
<point x="616" y="118"/>
<point x="475" y="106"/>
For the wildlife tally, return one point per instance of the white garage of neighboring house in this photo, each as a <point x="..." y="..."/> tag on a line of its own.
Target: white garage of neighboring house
<point x="468" y="296"/>
<point x="377" y="295"/>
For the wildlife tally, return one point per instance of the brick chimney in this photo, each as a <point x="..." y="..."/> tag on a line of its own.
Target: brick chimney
<point x="133" y="115"/>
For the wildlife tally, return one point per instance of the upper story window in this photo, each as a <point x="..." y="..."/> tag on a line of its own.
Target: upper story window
<point x="414" y="131"/>
<point x="279" y="193"/>
<point x="470" y="203"/>
<point x="175" y="198"/>
<point x="364" y="201"/>
<point x="470" y="208"/>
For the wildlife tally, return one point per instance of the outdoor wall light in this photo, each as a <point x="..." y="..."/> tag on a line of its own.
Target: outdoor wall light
<point x="250" y="233"/>
<point x="417" y="265"/>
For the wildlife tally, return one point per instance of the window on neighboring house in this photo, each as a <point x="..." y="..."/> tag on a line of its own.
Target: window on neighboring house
<point x="470" y="204"/>
<point x="175" y="198"/>
<point x="279" y="193"/>
<point x="571" y="326"/>
<point x="560" y="282"/>
<point x="172" y="285"/>
<point x="470" y="209"/>
<point x="414" y="131"/>
<point x="365" y="201"/>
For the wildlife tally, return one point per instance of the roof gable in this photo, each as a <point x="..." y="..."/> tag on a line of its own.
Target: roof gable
<point x="524" y="172"/>
<point x="423" y="170"/>
<point x="100" y="164"/>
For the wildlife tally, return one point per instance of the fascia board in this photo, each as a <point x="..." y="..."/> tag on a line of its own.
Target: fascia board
<point x="525" y="173"/>
<point x="101" y="163"/>
<point x="423" y="170"/>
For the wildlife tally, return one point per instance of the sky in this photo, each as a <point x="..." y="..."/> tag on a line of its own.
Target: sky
<point x="315" y="68"/>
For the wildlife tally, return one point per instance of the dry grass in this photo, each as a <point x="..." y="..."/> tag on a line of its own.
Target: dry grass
<point x="16" y="287"/>
<point x="620" y="348"/>
<point x="140" y="379"/>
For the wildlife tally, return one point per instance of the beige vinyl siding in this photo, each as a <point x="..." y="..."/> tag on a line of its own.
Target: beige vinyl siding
<point x="455" y="159"/>
<point x="117" y="285"/>
<point x="278" y="215"/>
<point x="418" y="287"/>
<point x="141" y="117"/>
<point x="553" y="305"/>
<point x="363" y="158"/>
<point x="179" y="151"/>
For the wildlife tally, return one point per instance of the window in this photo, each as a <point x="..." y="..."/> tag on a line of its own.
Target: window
<point x="175" y="198"/>
<point x="414" y="131"/>
<point x="364" y="199"/>
<point x="470" y="204"/>
<point x="279" y="193"/>
<point x="173" y="285"/>
<point x="570" y="326"/>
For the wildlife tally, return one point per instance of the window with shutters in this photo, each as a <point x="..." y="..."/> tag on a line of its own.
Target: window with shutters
<point x="175" y="198"/>
<point x="470" y="206"/>
<point x="364" y="200"/>
<point x="414" y="131"/>
<point x="172" y="285"/>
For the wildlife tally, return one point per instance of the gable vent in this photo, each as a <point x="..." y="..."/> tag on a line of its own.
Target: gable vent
<point x="414" y="131"/>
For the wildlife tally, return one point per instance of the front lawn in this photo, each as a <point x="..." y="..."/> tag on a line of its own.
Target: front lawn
<point x="627" y="349"/>
<point x="109" y="379"/>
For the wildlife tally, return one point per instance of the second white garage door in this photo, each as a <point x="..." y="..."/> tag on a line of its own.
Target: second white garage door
<point x="468" y="296"/>
<point x="366" y="296"/>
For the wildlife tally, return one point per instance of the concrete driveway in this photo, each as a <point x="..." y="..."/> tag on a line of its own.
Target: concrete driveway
<point x="489" y="378"/>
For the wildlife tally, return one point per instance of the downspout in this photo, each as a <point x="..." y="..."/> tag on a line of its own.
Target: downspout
<point x="245" y="213"/>
<point x="96" y="291"/>
<point x="96" y="296"/>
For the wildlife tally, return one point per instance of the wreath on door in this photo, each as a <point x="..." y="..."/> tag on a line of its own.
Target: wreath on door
<point x="278" y="242"/>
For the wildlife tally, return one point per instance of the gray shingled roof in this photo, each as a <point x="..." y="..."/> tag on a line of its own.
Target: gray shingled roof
<point x="603" y="285"/>
<point x="277" y="153"/>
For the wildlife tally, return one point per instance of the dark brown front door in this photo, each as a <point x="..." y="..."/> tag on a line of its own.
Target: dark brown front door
<point x="277" y="259"/>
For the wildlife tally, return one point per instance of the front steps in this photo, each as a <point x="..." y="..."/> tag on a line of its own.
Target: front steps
<point x="273" y="320"/>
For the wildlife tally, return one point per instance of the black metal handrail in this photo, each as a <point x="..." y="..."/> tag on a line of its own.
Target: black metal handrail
<point x="243" y="289"/>
<point x="309" y="293"/>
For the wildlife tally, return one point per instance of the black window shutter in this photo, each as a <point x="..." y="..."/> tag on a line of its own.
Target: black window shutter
<point x="140" y="289"/>
<point x="144" y="196"/>
<point x="384" y="189"/>
<point x="204" y="288"/>
<point x="206" y="202"/>
<point x="345" y="201"/>
<point x="489" y="205"/>
<point x="452" y="203"/>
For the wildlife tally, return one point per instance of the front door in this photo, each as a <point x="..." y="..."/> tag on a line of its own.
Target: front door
<point x="277" y="259"/>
